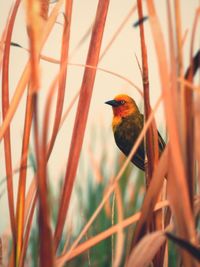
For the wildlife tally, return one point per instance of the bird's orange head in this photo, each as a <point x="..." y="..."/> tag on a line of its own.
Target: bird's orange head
<point x="123" y="106"/>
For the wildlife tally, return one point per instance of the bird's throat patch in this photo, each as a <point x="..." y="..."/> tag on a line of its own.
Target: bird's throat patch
<point x="116" y="121"/>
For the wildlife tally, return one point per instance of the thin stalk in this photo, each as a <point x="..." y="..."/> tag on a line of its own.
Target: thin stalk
<point x="151" y="137"/>
<point x="27" y="233"/>
<point x="46" y="253"/>
<point x="177" y="175"/>
<point x="45" y="235"/>
<point x="63" y="67"/>
<point x="5" y="108"/>
<point x="44" y="8"/>
<point x="23" y="172"/>
<point x="34" y="31"/>
<point x="105" y="234"/>
<point x="173" y="74"/>
<point x="81" y="116"/>
<point x="26" y="73"/>
<point x="181" y="118"/>
<point x="190" y="117"/>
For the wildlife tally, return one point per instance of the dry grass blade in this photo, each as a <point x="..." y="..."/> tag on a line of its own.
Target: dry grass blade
<point x="179" y="36"/>
<point x="32" y="194"/>
<point x="34" y="25"/>
<point x="2" y="41"/>
<point x="42" y="158"/>
<point x="120" y="233"/>
<point x="197" y="131"/>
<point x="81" y="116"/>
<point x="26" y="73"/>
<point x="100" y="237"/>
<point x="45" y="236"/>
<point x="27" y="233"/>
<point x="23" y="172"/>
<point x="15" y="100"/>
<point x="29" y="197"/>
<point x="44" y="8"/>
<point x="63" y="66"/>
<point x="177" y="177"/>
<point x="1" y="251"/>
<point x="21" y="193"/>
<point x="189" y="117"/>
<point x="30" y="203"/>
<point x="152" y="150"/>
<point x="116" y="179"/>
<point x="111" y="73"/>
<point x="189" y="85"/>
<point x="146" y="249"/>
<point x="152" y="194"/>
<point x="56" y="61"/>
<point x="173" y="75"/>
<point x="194" y="66"/>
<point x="175" y="151"/>
<point x="112" y="213"/>
<point x="5" y="108"/>
<point x="152" y="135"/>
<point x="44" y="209"/>
<point x="180" y="101"/>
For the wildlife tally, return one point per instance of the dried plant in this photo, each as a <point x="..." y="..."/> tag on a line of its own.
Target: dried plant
<point x="108" y="212"/>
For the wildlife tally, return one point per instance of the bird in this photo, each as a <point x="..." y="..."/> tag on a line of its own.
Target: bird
<point x="127" y="124"/>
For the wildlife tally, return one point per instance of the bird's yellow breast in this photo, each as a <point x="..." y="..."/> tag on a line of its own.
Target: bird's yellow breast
<point x="116" y="121"/>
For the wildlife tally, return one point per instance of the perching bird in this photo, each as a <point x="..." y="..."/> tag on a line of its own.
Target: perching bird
<point x="127" y="124"/>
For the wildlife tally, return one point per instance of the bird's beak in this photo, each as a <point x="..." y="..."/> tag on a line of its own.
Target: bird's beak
<point x="112" y="103"/>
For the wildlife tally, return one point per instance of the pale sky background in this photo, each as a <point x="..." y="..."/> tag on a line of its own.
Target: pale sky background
<point x="120" y="59"/>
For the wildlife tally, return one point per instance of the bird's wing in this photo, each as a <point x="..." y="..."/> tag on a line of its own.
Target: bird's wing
<point x="125" y="136"/>
<point x="138" y="158"/>
<point x="127" y="133"/>
<point x="161" y="143"/>
<point x="139" y="161"/>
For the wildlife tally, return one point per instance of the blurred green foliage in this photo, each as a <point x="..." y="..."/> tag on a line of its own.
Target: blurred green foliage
<point x="89" y="192"/>
<point x="88" y="196"/>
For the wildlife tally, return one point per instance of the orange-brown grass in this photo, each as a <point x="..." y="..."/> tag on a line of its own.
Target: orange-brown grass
<point x="81" y="117"/>
<point x="152" y="151"/>
<point x="178" y="166"/>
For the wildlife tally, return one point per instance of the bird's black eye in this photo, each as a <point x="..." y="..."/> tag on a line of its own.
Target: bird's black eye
<point x="122" y="102"/>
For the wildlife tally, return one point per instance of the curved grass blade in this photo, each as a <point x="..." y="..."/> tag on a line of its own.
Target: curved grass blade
<point x="23" y="172"/>
<point x="81" y="116"/>
<point x="177" y="177"/>
<point x="63" y="66"/>
<point x="146" y="249"/>
<point x="26" y="73"/>
<point x="105" y="234"/>
<point x="5" y="108"/>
